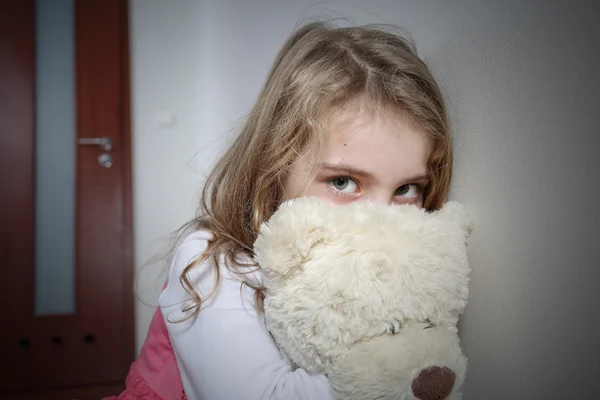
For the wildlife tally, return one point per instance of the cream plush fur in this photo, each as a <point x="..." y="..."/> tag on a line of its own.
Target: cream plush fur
<point x="368" y="294"/>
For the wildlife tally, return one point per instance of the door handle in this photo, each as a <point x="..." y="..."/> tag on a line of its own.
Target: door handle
<point x="105" y="143"/>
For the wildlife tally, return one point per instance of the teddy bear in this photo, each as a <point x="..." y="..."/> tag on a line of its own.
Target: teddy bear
<point x="369" y="295"/>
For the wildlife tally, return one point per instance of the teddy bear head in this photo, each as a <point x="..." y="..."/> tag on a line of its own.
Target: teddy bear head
<point x="364" y="285"/>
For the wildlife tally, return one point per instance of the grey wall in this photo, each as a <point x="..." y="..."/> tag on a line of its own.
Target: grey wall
<point x="523" y="82"/>
<point x="521" y="79"/>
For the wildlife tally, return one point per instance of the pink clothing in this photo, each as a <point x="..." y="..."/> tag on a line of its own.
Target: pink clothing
<point x="154" y="375"/>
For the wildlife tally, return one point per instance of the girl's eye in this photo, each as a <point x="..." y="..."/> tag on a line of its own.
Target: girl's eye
<point x="410" y="190"/>
<point x="345" y="185"/>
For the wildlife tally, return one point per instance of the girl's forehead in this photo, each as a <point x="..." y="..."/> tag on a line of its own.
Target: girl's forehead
<point x="383" y="141"/>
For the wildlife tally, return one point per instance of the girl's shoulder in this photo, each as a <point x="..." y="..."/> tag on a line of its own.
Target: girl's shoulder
<point x="194" y="245"/>
<point x="195" y="241"/>
<point x="188" y="251"/>
<point x="203" y="276"/>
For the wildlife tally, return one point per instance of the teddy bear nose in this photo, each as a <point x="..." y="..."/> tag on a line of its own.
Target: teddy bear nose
<point x="433" y="383"/>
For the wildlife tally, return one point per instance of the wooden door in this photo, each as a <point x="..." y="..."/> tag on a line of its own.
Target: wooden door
<point x="93" y="344"/>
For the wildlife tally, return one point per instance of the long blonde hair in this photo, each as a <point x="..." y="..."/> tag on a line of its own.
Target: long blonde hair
<point x="318" y="68"/>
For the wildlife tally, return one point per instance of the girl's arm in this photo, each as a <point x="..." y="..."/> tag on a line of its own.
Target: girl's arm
<point x="226" y="352"/>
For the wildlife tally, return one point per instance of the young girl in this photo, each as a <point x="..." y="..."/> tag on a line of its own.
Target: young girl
<point x="346" y="114"/>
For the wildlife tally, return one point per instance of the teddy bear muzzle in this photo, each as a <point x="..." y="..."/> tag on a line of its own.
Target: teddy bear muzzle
<point x="434" y="383"/>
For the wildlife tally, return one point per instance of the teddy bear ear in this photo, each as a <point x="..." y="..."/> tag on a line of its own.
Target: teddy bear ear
<point x="285" y="240"/>
<point x="454" y="211"/>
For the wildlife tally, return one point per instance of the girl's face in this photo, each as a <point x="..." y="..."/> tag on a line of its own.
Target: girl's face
<point x="377" y="157"/>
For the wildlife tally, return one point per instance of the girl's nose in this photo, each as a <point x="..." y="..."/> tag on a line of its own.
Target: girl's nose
<point x="380" y="196"/>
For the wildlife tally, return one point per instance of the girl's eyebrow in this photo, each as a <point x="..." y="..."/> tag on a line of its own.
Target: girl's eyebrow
<point x="345" y="169"/>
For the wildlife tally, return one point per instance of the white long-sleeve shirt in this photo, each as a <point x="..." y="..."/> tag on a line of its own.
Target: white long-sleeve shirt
<point x="226" y="352"/>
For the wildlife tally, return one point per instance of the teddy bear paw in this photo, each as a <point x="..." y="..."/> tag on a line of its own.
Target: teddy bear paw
<point x="434" y="383"/>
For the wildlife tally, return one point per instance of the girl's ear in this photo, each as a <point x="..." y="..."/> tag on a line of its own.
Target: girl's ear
<point x="285" y="240"/>
<point x="456" y="213"/>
